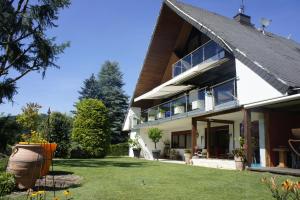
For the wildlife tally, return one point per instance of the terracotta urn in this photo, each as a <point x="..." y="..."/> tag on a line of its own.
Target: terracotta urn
<point x="239" y="163"/>
<point x="26" y="163"/>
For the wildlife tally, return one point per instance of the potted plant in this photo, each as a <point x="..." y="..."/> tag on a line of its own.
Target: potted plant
<point x="178" y="108"/>
<point x="167" y="148"/>
<point x="187" y="156"/>
<point x="240" y="155"/>
<point x="135" y="146"/>
<point x="155" y="134"/>
<point x="161" y="114"/>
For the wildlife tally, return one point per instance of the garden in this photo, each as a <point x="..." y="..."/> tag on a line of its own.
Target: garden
<point x="128" y="178"/>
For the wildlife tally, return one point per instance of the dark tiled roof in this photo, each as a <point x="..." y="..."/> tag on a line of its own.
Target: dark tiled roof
<point x="272" y="57"/>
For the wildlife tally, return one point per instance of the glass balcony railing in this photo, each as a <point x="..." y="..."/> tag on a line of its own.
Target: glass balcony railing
<point x="207" y="52"/>
<point x="224" y="94"/>
<point x="220" y="96"/>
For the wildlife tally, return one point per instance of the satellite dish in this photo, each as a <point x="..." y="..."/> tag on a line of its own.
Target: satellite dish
<point x="265" y="22"/>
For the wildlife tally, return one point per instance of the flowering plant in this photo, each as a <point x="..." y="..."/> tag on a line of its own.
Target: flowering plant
<point x="241" y="151"/>
<point x="33" y="137"/>
<point x="287" y="190"/>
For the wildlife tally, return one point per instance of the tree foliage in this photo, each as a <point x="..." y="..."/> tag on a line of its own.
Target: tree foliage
<point x="59" y="131"/>
<point x="90" y="89"/>
<point x="10" y="131"/>
<point x="113" y="96"/>
<point x="24" y="45"/>
<point x="91" y="127"/>
<point x="29" y="118"/>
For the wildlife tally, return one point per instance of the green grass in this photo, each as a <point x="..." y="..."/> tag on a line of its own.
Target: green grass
<point x="126" y="178"/>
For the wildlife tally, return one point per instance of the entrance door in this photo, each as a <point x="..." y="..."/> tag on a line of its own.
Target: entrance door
<point x="218" y="141"/>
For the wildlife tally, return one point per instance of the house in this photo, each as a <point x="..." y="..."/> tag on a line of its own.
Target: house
<point x="208" y="80"/>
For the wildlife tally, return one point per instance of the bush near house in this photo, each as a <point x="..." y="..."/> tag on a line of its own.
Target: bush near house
<point x="91" y="127"/>
<point x="120" y="149"/>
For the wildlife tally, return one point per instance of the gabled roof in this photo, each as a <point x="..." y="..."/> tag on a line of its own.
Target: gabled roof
<point x="273" y="58"/>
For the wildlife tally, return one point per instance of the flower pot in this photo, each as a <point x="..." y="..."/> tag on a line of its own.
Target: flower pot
<point x="25" y="163"/>
<point x="239" y="163"/>
<point x="49" y="149"/>
<point x="156" y="154"/>
<point x="151" y="118"/>
<point x="160" y="115"/>
<point x="197" y="104"/>
<point x="178" y="109"/>
<point x="187" y="158"/>
<point x="136" y="153"/>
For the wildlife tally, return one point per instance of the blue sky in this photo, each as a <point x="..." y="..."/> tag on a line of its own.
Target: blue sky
<point x="120" y="30"/>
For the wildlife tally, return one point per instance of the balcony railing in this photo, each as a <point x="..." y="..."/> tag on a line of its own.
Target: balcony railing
<point x="220" y="96"/>
<point x="207" y="52"/>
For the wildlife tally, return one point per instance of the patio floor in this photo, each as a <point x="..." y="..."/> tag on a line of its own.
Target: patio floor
<point x="277" y="170"/>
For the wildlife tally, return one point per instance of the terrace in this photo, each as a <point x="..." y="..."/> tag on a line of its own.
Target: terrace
<point x="197" y="101"/>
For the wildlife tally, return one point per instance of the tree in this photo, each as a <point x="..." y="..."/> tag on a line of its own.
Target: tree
<point x="91" y="127"/>
<point x="59" y="131"/>
<point x="29" y="118"/>
<point x="24" y="45"/>
<point x="114" y="98"/>
<point x="9" y="131"/>
<point x="90" y="89"/>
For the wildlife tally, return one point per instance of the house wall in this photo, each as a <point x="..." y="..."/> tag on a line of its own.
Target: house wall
<point x="129" y="121"/>
<point x="251" y="87"/>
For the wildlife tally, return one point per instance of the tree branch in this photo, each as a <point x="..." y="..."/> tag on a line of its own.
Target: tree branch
<point x="3" y="71"/>
<point x="34" y="67"/>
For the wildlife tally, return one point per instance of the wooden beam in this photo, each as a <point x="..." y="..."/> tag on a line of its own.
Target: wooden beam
<point x="221" y="121"/>
<point x="208" y="139"/>
<point x="214" y="113"/>
<point x="194" y="135"/>
<point x="267" y="139"/>
<point x="247" y="135"/>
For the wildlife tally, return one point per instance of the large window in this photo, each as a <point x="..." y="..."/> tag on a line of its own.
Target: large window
<point x="181" y="140"/>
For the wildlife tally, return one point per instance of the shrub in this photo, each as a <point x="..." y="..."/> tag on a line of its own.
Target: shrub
<point x="77" y="151"/>
<point x="59" y="130"/>
<point x="7" y="183"/>
<point x="120" y="149"/>
<point x="3" y="162"/>
<point x="91" y="127"/>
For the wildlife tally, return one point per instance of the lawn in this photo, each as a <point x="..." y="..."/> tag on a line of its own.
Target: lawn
<point x="127" y="178"/>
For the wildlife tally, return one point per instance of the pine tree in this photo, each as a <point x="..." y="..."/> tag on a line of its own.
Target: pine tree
<point x="113" y="96"/>
<point x="90" y="89"/>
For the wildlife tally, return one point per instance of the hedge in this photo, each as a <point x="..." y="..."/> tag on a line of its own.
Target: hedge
<point x="120" y="149"/>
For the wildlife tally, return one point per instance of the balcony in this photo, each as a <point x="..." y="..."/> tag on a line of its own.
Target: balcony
<point x="195" y="102"/>
<point x="208" y="52"/>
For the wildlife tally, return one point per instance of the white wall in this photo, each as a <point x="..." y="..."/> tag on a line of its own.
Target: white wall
<point x="251" y="87"/>
<point x="133" y="111"/>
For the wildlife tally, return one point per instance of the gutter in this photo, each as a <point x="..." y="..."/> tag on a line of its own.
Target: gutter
<point x="273" y="101"/>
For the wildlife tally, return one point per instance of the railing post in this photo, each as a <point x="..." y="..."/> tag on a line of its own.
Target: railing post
<point x="186" y="102"/>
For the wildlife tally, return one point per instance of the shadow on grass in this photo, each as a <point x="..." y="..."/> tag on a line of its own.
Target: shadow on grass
<point x="56" y="172"/>
<point x="100" y="163"/>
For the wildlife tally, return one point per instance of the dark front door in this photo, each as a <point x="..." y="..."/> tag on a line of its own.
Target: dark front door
<point x="218" y="141"/>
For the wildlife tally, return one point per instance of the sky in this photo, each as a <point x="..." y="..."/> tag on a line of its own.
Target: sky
<point x="120" y="30"/>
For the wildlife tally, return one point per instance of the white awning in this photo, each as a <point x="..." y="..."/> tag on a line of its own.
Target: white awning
<point x="164" y="92"/>
<point x="175" y="86"/>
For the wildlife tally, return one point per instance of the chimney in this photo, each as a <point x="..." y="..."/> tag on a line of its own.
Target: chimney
<point x="243" y="19"/>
